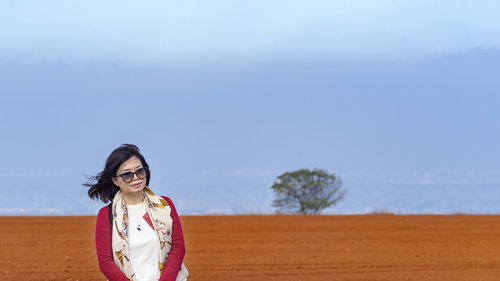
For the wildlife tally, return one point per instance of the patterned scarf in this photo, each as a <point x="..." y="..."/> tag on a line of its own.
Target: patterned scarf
<point x="159" y="212"/>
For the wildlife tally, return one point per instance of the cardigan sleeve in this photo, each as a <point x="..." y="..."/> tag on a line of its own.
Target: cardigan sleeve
<point x="103" y="233"/>
<point x="176" y="255"/>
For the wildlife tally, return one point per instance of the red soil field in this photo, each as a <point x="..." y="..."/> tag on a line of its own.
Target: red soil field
<point x="274" y="247"/>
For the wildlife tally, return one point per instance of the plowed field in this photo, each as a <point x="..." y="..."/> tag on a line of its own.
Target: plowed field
<point x="275" y="247"/>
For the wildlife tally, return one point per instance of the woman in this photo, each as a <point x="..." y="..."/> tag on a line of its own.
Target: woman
<point x="140" y="237"/>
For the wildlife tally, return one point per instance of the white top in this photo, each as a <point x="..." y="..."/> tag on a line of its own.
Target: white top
<point x="143" y="245"/>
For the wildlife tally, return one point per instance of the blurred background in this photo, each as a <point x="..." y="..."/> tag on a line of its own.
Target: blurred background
<point x="398" y="98"/>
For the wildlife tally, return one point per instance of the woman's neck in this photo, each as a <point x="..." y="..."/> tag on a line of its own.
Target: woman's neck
<point x="132" y="198"/>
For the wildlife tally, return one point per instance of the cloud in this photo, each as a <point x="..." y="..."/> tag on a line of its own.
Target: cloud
<point x="36" y="174"/>
<point x="159" y="31"/>
<point x="257" y="173"/>
<point x="444" y="177"/>
<point x="422" y="177"/>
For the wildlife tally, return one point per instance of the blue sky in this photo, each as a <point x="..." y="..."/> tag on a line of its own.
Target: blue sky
<point x="165" y="31"/>
<point x="399" y="98"/>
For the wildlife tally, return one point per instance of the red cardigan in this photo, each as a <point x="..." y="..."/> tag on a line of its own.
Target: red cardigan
<point x="103" y="233"/>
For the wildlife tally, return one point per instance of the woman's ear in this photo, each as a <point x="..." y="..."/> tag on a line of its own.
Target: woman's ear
<point x="115" y="181"/>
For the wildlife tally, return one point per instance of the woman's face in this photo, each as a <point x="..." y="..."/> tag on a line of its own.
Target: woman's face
<point x="136" y="185"/>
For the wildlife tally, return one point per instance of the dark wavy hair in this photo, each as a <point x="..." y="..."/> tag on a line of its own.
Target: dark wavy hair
<point x="103" y="187"/>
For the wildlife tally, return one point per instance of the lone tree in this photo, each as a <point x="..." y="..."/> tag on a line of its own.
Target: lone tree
<point x="306" y="192"/>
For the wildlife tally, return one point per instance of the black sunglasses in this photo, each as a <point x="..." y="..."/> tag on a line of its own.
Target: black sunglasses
<point x="129" y="176"/>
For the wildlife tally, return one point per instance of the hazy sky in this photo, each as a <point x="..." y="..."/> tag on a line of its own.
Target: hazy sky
<point x="166" y="31"/>
<point x="399" y="98"/>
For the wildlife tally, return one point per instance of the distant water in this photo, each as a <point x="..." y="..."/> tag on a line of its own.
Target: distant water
<point x="366" y="194"/>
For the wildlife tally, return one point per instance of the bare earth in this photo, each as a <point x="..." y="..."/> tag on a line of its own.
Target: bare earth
<point x="362" y="248"/>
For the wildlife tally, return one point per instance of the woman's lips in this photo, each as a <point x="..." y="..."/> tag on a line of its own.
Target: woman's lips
<point x="137" y="185"/>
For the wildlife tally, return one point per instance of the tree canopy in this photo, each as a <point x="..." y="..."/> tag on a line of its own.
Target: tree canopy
<point x="306" y="192"/>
